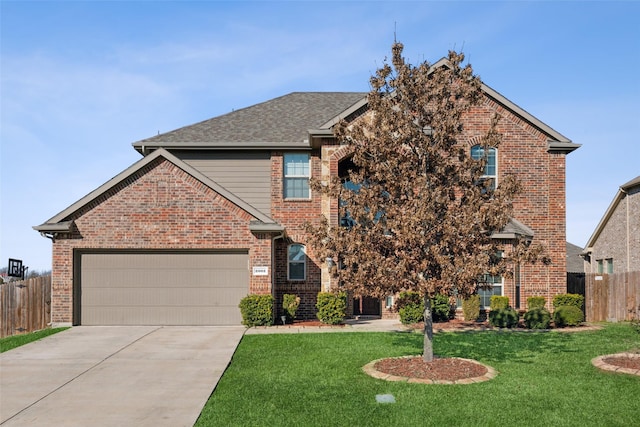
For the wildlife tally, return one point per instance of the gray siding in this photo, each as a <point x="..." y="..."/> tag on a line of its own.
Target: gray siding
<point x="247" y="174"/>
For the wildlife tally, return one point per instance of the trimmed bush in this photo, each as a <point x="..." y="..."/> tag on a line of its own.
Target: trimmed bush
<point x="290" y="305"/>
<point x="410" y="306"/>
<point x="471" y="308"/>
<point x="411" y="313"/>
<point x="441" y="309"/>
<point x="498" y="302"/>
<point x="408" y="298"/>
<point x="535" y="302"/>
<point x="537" y="318"/>
<point x="257" y="310"/>
<point x="504" y="318"/>
<point x="332" y="307"/>
<point x="575" y="300"/>
<point x="567" y="315"/>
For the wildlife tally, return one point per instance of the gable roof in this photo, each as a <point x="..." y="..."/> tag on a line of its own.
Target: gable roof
<point x="282" y="122"/>
<point x="512" y="230"/>
<point x="621" y="194"/>
<point x="575" y="263"/>
<point x="297" y="120"/>
<point x="60" y="223"/>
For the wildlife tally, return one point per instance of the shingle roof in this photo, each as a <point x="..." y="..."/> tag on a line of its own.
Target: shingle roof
<point x="281" y="121"/>
<point x="575" y="263"/>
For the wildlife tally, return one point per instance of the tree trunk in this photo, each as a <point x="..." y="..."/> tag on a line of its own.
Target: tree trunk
<point x="427" y="354"/>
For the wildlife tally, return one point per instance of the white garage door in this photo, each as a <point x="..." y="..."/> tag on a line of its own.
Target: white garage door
<point x="160" y="288"/>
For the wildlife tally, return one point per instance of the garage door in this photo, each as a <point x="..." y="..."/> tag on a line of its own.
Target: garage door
<point x="162" y="288"/>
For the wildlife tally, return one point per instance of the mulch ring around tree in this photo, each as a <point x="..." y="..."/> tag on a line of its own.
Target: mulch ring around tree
<point x="446" y="370"/>
<point x="620" y="363"/>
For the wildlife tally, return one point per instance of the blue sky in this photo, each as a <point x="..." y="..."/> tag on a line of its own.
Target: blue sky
<point x="82" y="80"/>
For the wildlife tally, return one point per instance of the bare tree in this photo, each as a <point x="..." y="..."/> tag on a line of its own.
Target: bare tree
<point x="419" y="215"/>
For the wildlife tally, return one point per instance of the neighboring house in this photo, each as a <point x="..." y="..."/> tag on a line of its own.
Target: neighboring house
<point x="575" y="263"/>
<point x="614" y="246"/>
<point x="216" y="210"/>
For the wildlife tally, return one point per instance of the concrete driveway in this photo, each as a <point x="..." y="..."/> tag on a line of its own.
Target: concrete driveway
<point x="115" y="376"/>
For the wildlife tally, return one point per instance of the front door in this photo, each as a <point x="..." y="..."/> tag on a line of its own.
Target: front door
<point x="366" y="306"/>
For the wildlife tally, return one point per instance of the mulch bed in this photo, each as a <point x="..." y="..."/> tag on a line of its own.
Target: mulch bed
<point x="440" y="369"/>
<point x="623" y="362"/>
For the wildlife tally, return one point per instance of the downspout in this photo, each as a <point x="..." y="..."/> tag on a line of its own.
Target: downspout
<point x="51" y="236"/>
<point x="626" y="196"/>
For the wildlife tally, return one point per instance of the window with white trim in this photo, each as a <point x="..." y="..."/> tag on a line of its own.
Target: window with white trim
<point x="496" y="283"/>
<point x="490" y="168"/>
<point x="297" y="172"/>
<point x="297" y="262"/>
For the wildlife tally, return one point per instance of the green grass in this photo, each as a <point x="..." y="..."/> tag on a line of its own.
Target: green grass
<point x="545" y="378"/>
<point x="14" y="341"/>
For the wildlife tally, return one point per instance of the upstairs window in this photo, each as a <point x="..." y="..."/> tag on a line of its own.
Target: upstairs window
<point x="479" y="152"/>
<point x="297" y="260"/>
<point x="297" y="173"/>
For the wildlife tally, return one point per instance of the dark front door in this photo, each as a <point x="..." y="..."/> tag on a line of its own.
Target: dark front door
<point x="366" y="306"/>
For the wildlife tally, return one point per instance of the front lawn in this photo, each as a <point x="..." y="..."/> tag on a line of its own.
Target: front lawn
<point x="8" y="343"/>
<point x="544" y="378"/>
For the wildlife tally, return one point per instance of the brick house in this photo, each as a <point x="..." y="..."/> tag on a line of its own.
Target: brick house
<point x="614" y="246"/>
<point x="216" y="210"/>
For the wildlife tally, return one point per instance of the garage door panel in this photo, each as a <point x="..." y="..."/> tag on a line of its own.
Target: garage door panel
<point x="147" y="297"/>
<point x="161" y="316"/>
<point x="162" y="288"/>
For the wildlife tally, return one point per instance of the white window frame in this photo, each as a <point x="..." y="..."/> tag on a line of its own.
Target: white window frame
<point x="485" y="175"/>
<point x="297" y="262"/>
<point x="488" y="293"/>
<point x="306" y="177"/>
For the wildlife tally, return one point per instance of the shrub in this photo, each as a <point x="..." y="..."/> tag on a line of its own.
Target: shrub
<point x="575" y="300"/>
<point x="411" y="313"/>
<point x="410" y="306"/>
<point x="504" y="318"/>
<point x="471" y="308"/>
<point x="535" y="302"/>
<point x="498" y="302"/>
<point x="290" y="304"/>
<point x="408" y="298"/>
<point x="635" y="319"/>
<point x="567" y="315"/>
<point x="332" y="307"/>
<point x="257" y="310"/>
<point x="537" y="317"/>
<point x="441" y="308"/>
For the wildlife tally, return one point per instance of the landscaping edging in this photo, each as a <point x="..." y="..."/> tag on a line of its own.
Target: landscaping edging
<point x="599" y="362"/>
<point x="371" y="370"/>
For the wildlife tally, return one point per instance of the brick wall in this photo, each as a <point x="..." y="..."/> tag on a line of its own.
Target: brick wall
<point x="293" y="215"/>
<point x="523" y="152"/>
<point x="620" y="238"/>
<point x="158" y="207"/>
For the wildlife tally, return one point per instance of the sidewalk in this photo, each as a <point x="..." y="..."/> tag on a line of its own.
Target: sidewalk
<point x="350" y="325"/>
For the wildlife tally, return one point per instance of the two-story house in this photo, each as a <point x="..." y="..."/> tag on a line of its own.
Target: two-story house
<point x="614" y="246"/>
<point x="216" y="210"/>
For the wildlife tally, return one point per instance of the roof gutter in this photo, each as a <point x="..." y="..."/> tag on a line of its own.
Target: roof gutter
<point x="53" y="230"/>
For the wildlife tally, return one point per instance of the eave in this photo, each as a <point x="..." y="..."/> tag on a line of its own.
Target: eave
<point x="146" y="148"/>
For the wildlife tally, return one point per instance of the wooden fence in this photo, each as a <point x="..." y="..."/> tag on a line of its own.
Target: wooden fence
<point x="26" y="305"/>
<point x="612" y="297"/>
